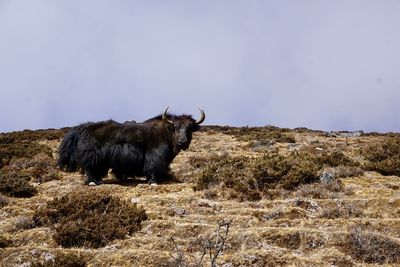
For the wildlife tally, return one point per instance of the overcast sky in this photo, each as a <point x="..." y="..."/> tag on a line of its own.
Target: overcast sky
<point x="321" y="64"/>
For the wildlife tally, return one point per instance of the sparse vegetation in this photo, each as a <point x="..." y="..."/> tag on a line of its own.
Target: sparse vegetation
<point x="260" y="134"/>
<point x="23" y="223"/>
<point x="31" y="136"/>
<point x="212" y="245"/>
<point x="16" y="184"/>
<point x="4" y="242"/>
<point x="90" y="218"/>
<point x="333" y="189"/>
<point x="3" y="200"/>
<point x="384" y="157"/>
<point x="298" y="220"/>
<point x="249" y="178"/>
<point x="69" y="259"/>
<point x="344" y="210"/>
<point x="18" y="149"/>
<point x="369" y="247"/>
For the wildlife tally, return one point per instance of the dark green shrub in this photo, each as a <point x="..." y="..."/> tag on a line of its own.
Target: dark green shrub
<point x="90" y="218"/>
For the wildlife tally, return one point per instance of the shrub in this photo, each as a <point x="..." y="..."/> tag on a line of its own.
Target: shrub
<point x="41" y="168"/>
<point x="16" y="184"/>
<point x="90" y="218"/>
<point x="342" y="210"/>
<point x="383" y="157"/>
<point x="49" y="259"/>
<point x="248" y="178"/>
<point x="19" y="149"/>
<point x="372" y="247"/>
<point x="347" y="171"/>
<point x="4" y="242"/>
<point x="3" y="201"/>
<point x="23" y="223"/>
<point x="32" y="135"/>
<point x="333" y="189"/>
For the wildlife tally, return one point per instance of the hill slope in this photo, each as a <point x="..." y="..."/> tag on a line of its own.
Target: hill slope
<point x="229" y="177"/>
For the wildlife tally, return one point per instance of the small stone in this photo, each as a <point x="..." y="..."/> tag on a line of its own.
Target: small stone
<point x="92" y="184"/>
<point x="326" y="177"/>
<point x="135" y="200"/>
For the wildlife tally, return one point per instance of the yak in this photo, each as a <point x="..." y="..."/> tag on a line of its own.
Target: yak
<point x="128" y="149"/>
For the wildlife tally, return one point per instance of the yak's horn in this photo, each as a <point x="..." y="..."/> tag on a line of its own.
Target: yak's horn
<point x="202" y="118"/>
<point x="165" y="117"/>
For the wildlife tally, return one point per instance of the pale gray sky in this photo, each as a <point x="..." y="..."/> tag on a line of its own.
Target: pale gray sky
<point x="321" y="64"/>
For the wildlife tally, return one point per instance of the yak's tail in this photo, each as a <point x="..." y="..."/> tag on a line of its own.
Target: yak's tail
<point x="68" y="151"/>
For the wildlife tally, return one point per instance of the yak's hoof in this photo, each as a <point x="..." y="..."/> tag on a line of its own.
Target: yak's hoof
<point x="153" y="184"/>
<point x="94" y="183"/>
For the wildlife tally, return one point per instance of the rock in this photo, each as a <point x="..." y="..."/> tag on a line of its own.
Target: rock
<point x="180" y="211"/>
<point x="346" y="134"/>
<point x="135" y="200"/>
<point x="326" y="177"/>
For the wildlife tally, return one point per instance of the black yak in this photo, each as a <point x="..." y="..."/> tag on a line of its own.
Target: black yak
<point x="129" y="149"/>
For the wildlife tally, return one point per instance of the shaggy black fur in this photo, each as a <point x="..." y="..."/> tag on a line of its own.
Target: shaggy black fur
<point x="129" y="149"/>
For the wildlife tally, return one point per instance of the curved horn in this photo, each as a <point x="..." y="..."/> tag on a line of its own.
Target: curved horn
<point x="165" y="117"/>
<point x="202" y="118"/>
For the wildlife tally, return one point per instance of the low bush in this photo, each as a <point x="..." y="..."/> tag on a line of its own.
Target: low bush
<point x="24" y="223"/>
<point x="331" y="190"/>
<point x="90" y="218"/>
<point x="369" y="247"/>
<point x="49" y="259"/>
<point x="19" y="149"/>
<point x="3" y="200"/>
<point x="342" y="210"/>
<point x="4" y="242"/>
<point x="16" y="184"/>
<point x="383" y="157"/>
<point x="248" y="178"/>
<point x="32" y="135"/>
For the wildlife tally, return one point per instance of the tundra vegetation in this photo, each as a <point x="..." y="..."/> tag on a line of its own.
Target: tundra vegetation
<point x="261" y="196"/>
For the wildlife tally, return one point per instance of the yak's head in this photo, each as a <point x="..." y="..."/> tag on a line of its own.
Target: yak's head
<point x="183" y="126"/>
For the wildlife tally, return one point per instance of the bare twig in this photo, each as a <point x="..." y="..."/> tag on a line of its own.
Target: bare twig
<point x="212" y="245"/>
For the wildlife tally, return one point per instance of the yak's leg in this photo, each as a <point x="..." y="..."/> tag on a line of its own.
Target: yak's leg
<point x="95" y="175"/>
<point x="119" y="175"/>
<point x="156" y="166"/>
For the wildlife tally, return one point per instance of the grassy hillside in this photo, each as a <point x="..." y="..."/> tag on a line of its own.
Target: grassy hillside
<point x="261" y="196"/>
